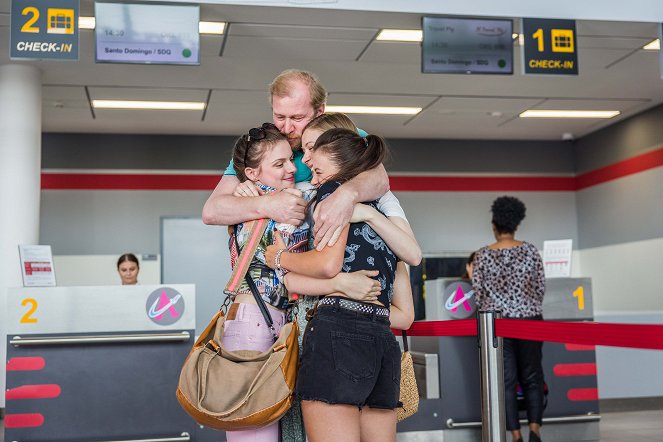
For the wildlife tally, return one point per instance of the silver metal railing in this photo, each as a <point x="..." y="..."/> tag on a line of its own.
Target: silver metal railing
<point x="100" y="339"/>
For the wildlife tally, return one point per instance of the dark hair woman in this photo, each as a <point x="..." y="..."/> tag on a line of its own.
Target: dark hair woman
<point x="128" y="268"/>
<point x="508" y="277"/>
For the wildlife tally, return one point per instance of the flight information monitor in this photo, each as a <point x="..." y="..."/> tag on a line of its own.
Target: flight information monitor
<point x="466" y="46"/>
<point x="147" y="33"/>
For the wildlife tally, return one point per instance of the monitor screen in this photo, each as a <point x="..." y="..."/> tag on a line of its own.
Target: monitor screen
<point x="466" y="46"/>
<point x="147" y="33"/>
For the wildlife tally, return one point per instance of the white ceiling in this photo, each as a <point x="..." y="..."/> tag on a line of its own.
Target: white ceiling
<point x="339" y="46"/>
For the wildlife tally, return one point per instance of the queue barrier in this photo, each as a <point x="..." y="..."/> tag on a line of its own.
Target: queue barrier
<point x="491" y="329"/>
<point x="643" y="336"/>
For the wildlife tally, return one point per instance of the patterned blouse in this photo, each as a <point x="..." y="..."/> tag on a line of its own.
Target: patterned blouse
<point x="365" y="250"/>
<point x="509" y="280"/>
<point x="271" y="289"/>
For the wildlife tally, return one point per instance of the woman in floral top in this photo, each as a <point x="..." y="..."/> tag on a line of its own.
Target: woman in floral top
<point x="508" y="278"/>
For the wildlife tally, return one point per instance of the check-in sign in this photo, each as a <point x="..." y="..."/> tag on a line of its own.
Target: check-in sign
<point x="44" y="29"/>
<point x="550" y="46"/>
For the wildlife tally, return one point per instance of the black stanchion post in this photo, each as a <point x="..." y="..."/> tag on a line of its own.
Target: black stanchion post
<point x="492" y="379"/>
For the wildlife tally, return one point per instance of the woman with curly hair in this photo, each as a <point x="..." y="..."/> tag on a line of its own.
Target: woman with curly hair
<point x="508" y="277"/>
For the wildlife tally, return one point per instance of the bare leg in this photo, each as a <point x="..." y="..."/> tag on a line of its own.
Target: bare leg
<point x="535" y="428"/>
<point x="377" y="425"/>
<point x="330" y="423"/>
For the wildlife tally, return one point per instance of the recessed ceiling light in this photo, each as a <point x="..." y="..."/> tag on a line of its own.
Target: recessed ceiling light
<point x="86" y="22"/>
<point x="654" y="45"/>
<point x="380" y="110"/>
<point x="411" y="35"/>
<point x="156" y="105"/>
<point x="212" y="27"/>
<point x="539" y="113"/>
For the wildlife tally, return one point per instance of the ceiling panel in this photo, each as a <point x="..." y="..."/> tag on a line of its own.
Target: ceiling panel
<point x="392" y="52"/>
<point x="234" y="112"/>
<point x="263" y="40"/>
<point x="611" y="42"/>
<point x="148" y="94"/>
<point x="379" y="100"/>
<point x="295" y="49"/>
<point x="570" y="104"/>
<point x="301" y="31"/>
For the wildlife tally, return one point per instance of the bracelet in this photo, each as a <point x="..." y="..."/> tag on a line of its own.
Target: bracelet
<point x="277" y="260"/>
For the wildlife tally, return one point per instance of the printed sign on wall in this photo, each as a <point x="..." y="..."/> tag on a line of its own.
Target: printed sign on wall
<point x="44" y="29"/>
<point x="549" y="46"/>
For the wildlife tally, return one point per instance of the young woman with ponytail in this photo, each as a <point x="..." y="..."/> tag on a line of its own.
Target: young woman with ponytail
<point x="350" y="360"/>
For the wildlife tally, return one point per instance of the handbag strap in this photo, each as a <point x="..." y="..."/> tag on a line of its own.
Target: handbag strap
<point x="249" y="281"/>
<point x="256" y="229"/>
<point x="405" y="347"/>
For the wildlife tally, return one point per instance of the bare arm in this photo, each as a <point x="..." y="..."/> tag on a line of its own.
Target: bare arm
<point x="332" y="214"/>
<point x="401" y="312"/>
<point x="358" y="285"/>
<point x="319" y="264"/>
<point x="223" y="208"/>
<point x="395" y="231"/>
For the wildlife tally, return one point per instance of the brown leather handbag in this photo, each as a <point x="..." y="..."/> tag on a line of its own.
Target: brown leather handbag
<point x="239" y="390"/>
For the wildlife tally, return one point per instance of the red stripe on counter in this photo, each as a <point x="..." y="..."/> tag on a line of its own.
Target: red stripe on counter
<point x="42" y="391"/>
<point x="630" y="166"/>
<point x="579" y="347"/>
<point x="29" y="363"/>
<point x="24" y="420"/>
<point x="583" y="394"/>
<point x="579" y="369"/>
<point x="100" y="181"/>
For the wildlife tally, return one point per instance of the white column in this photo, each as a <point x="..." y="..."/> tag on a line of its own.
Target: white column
<point x="20" y="169"/>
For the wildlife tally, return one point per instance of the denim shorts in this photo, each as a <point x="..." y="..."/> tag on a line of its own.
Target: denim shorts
<point x="349" y="357"/>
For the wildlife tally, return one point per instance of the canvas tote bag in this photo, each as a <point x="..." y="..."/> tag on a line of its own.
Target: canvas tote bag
<point x="244" y="389"/>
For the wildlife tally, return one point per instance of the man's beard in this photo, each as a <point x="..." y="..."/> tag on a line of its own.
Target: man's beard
<point x="295" y="143"/>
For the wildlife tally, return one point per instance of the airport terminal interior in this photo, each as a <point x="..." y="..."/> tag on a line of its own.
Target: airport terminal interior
<point x="118" y="119"/>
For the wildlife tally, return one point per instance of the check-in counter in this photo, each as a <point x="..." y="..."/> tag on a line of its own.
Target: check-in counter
<point x="97" y="363"/>
<point x="572" y="410"/>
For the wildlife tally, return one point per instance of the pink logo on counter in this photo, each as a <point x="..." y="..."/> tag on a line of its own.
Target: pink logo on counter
<point x="460" y="302"/>
<point x="165" y="306"/>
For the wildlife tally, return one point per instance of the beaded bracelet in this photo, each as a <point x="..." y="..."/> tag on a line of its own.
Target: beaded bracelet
<point x="280" y="271"/>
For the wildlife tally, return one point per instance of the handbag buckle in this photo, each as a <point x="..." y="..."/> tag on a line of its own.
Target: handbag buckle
<point x="212" y="345"/>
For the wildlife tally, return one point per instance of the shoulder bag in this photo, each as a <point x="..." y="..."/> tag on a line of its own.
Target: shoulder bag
<point x="244" y="389"/>
<point x="409" y="394"/>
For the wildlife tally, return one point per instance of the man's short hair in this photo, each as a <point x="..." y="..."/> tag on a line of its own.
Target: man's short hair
<point x="280" y="86"/>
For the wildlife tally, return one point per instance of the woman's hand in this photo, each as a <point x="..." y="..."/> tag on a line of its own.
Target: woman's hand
<point x="270" y="253"/>
<point x="247" y="188"/>
<point x="359" y="285"/>
<point x="362" y="213"/>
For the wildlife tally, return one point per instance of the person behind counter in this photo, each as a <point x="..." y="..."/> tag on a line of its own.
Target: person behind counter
<point x="128" y="268"/>
<point x="507" y="276"/>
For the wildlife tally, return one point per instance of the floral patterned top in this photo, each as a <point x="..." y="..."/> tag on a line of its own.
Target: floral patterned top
<point x="510" y="280"/>
<point x="267" y="282"/>
<point x="366" y="250"/>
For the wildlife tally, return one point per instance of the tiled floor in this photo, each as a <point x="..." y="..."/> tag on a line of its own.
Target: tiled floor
<point x="631" y="426"/>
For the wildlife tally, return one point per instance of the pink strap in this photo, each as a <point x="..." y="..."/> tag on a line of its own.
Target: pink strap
<point x="256" y="229"/>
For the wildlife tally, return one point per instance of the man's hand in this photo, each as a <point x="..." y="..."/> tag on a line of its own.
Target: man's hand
<point x="286" y="206"/>
<point x="331" y="216"/>
<point x="359" y="285"/>
<point x="247" y="188"/>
